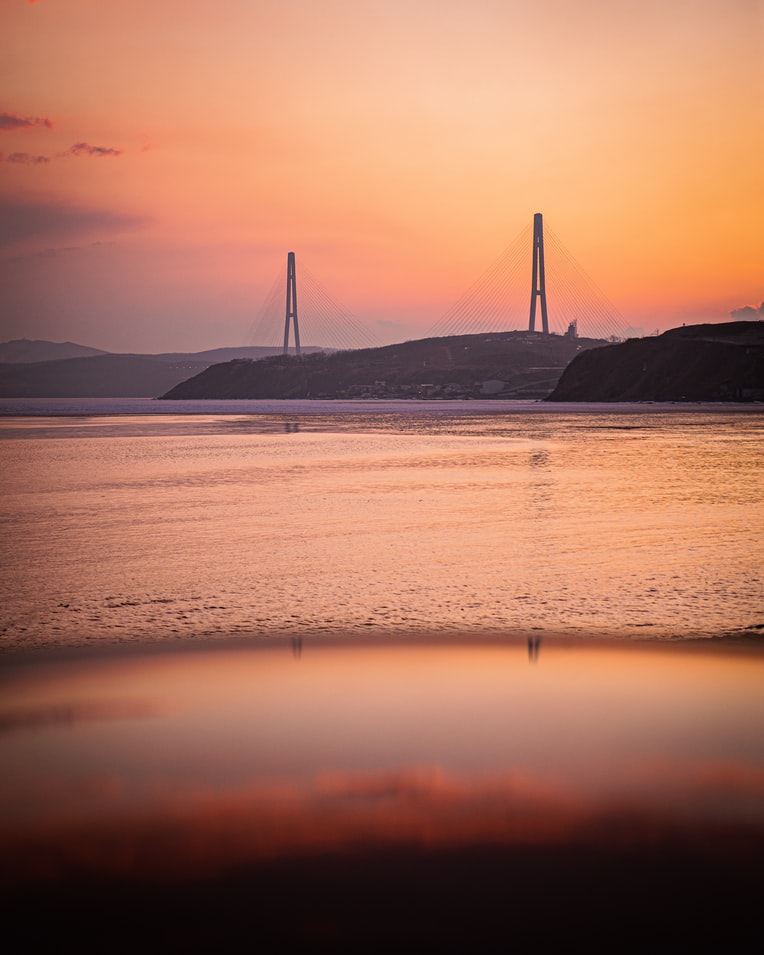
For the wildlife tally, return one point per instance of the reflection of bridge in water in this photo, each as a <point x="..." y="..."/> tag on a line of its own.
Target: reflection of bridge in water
<point x="563" y="301"/>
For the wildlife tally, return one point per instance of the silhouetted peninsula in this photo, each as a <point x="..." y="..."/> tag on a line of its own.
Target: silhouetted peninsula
<point x="499" y="364"/>
<point x="694" y="363"/>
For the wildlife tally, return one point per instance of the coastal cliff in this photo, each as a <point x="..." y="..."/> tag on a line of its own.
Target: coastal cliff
<point x="694" y="363"/>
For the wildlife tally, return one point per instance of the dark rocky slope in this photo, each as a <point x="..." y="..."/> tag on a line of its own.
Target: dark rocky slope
<point x="693" y="363"/>
<point x="506" y="364"/>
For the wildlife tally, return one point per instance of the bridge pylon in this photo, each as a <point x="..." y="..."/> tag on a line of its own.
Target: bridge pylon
<point x="538" y="289"/>
<point x="291" y="306"/>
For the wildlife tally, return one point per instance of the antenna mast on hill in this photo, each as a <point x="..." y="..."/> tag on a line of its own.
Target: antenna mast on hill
<point x="291" y="306"/>
<point x="539" y="277"/>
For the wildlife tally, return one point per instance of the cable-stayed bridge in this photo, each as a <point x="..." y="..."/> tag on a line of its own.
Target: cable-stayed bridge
<point x="535" y="285"/>
<point x="306" y="314"/>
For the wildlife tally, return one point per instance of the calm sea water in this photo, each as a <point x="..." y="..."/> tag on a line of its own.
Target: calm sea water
<point x="125" y="522"/>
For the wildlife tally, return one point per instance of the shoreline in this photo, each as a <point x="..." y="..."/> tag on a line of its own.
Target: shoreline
<point x="38" y="407"/>
<point x="749" y="639"/>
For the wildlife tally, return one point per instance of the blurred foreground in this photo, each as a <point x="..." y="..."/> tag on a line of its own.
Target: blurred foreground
<point x="338" y="792"/>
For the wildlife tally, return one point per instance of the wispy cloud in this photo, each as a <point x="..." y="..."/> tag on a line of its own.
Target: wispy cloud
<point x="24" y="219"/>
<point x="12" y="121"/>
<point x="53" y="252"/>
<point x="85" y="149"/>
<point x="78" y="149"/>
<point x="26" y="159"/>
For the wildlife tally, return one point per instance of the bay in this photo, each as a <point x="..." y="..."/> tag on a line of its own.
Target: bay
<point x="320" y="517"/>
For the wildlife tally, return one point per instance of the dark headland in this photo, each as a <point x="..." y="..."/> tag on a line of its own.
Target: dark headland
<point x="694" y="363"/>
<point x="497" y="364"/>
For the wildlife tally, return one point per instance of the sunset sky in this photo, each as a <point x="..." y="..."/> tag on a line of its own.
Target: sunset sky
<point x="159" y="159"/>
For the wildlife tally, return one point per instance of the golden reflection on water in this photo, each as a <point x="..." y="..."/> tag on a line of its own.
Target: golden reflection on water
<point x="198" y="760"/>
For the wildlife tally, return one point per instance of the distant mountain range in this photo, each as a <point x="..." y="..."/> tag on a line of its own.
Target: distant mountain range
<point x="26" y="351"/>
<point x="42" y="369"/>
<point x="23" y="351"/>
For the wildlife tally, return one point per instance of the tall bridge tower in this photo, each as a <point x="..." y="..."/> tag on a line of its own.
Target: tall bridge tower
<point x="291" y="306"/>
<point x="538" y="289"/>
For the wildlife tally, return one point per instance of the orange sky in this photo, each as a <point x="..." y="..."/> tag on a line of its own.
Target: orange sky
<point x="160" y="159"/>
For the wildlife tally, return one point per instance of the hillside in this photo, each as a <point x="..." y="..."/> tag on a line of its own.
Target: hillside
<point x="505" y="364"/>
<point x="694" y="363"/>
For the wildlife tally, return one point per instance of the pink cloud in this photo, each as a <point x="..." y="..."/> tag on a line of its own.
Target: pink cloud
<point x="11" y="121"/>
<point x="26" y="159"/>
<point x="85" y="149"/>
